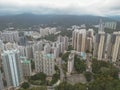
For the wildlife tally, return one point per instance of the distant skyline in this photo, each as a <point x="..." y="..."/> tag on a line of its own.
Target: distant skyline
<point x="61" y="7"/>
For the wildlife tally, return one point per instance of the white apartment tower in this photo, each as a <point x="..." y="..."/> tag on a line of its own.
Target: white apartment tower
<point x="70" y="65"/>
<point x="64" y="41"/>
<point x="44" y="63"/>
<point x="114" y="46"/>
<point x="29" y="51"/>
<point x="56" y="52"/>
<point x="99" y="45"/>
<point x="48" y="64"/>
<point x="12" y="68"/>
<point x="101" y="26"/>
<point x="74" y="39"/>
<point x="79" y="40"/>
<point x="38" y="61"/>
<point x="89" y="44"/>
<point x="89" y="40"/>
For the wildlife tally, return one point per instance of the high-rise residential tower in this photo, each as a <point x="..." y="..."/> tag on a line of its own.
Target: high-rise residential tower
<point x="48" y="64"/>
<point x="44" y="63"/>
<point x="70" y="64"/>
<point x="101" y="26"/>
<point x="114" y="45"/>
<point x="12" y="68"/>
<point x="38" y="61"/>
<point x="64" y="41"/>
<point x="79" y="40"/>
<point x="10" y="36"/>
<point x="99" y="45"/>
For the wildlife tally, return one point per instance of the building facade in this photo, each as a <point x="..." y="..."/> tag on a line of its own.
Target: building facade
<point x="10" y="36"/>
<point x="44" y="63"/>
<point x="79" y="40"/>
<point x="70" y="64"/>
<point x="48" y="64"/>
<point x="99" y="45"/>
<point x="26" y="67"/>
<point x="12" y="68"/>
<point x="113" y="48"/>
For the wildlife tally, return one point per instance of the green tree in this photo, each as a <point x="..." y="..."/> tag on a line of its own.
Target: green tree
<point x="87" y="51"/>
<point x="88" y="76"/>
<point x="40" y="88"/>
<point x="67" y="86"/>
<point x="39" y="76"/>
<point x="25" y="85"/>
<point x="55" y="78"/>
<point x="65" y="56"/>
<point x="36" y="88"/>
<point x="57" y="69"/>
<point x="38" y="79"/>
<point x="111" y="71"/>
<point x="80" y="86"/>
<point x="105" y="69"/>
<point x="32" y="64"/>
<point x="70" y="48"/>
<point x="104" y="83"/>
<point x="67" y="33"/>
<point x="64" y="86"/>
<point x="50" y="37"/>
<point x="80" y="65"/>
<point x="1" y="69"/>
<point x="96" y="65"/>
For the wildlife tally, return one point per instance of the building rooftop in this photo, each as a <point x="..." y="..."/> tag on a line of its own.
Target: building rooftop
<point x="48" y="55"/>
<point x="5" y="52"/>
<point x="83" y="55"/>
<point x="25" y="61"/>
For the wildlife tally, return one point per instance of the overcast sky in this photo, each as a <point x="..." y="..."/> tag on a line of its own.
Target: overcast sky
<point x="75" y="7"/>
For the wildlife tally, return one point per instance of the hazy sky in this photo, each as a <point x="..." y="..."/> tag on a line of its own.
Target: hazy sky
<point x="76" y="7"/>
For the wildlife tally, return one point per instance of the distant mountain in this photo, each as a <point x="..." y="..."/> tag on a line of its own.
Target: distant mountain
<point x="117" y="18"/>
<point x="26" y="20"/>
